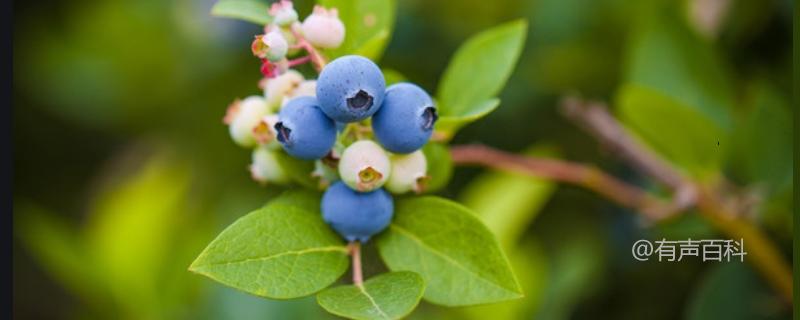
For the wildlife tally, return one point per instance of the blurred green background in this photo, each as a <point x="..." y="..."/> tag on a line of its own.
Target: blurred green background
<point x="124" y="170"/>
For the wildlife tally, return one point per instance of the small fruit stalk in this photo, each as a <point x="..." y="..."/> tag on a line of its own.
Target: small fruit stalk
<point x="364" y="139"/>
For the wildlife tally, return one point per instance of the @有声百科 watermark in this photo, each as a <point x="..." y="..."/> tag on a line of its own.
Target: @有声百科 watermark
<point x="677" y="250"/>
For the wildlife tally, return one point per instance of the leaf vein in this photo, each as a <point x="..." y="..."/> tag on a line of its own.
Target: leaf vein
<point x="446" y="258"/>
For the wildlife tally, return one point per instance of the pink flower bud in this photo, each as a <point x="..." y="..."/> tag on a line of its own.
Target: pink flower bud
<point x="323" y="28"/>
<point x="283" y="13"/>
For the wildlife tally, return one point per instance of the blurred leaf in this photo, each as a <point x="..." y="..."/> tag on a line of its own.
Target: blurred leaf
<point x="479" y="70"/>
<point x="373" y="48"/>
<point x="506" y="202"/>
<point x="652" y="115"/>
<point x="388" y="296"/>
<point x="448" y="125"/>
<point x="575" y="266"/>
<point x="440" y="166"/>
<point x="145" y="207"/>
<point x="762" y="151"/>
<point x="106" y="57"/>
<point x="58" y="249"/>
<point x="674" y="77"/>
<point x="665" y="55"/>
<point x="685" y="226"/>
<point x="248" y="10"/>
<point x="392" y="76"/>
<point x="732" y="291"/>
<point x="283" y="250"/>
<point x="228" y="303"/>
<point x="368" y="26"/>
<point x="458" y="257"/>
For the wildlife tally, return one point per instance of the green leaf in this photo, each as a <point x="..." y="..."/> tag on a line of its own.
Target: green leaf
<point x="761" y="153"/>
<point x="674" y="77"/>
<point x="667" y="56"/>
<point x="695" y="145"/>
<point x="248" y="10"/>
<point x="392" y="76"/>
<point x="388" y="296"/>
<point x="531" y="263"/>
<point x="440" y="166"/>
<point x="127" y="209"/>
<point x="507" y="203"/>
<point x="283" y="250"/>
<point x="58" y="249"/>
<point x="445" y="243"/>
<point x="732" y="291"/>
<point x="479" y="69"/>
<point x="368" y="26"/>
<point x="448" y="125"/>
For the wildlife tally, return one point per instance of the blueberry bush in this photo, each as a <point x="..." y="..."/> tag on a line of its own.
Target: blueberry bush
<point x="361" y="149"/>
<point x="359" y="153"/>
<point x="620" y="121"/>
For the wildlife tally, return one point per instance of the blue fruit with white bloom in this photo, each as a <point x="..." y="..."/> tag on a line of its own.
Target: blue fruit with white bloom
<point x="303" y="129"/>
<point x="404" y="123"/>
<point x="356" y="215"/>
<point x="350" y="88"/>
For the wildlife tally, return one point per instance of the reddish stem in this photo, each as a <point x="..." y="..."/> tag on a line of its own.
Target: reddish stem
<point x="355" y="253"/>
<point x="299" y="61"/>
<point x="564" y="171"/>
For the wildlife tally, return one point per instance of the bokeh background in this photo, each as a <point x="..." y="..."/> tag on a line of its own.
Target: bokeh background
<point x="124" y="170"/>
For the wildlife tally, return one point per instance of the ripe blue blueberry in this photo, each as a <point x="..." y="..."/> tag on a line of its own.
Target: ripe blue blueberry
<point x="404" y="123"/>
<point x="350" y="89"/>
<point x="355" y="215"/>
<point x="303" y="130"/>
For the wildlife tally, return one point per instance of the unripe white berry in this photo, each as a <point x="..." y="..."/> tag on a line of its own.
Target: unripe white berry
<point x="264" y="131"/>
<point x="364" y="166"/>
<point x="409" y="172"/>
<point x="283" y="13"/>
<point x="243" y="116"/>
<point x="276" y="45"/>
<point x="266" y="167"/>
<point x="306" y="88"/>
<point x="323" y="28"/>
<point x="277" y="88"/>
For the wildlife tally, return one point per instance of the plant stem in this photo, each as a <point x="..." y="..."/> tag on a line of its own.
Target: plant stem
<point x="581" y="175"/>
<point x="355" y="253"/>
<point x="763" y="254"/>
<point x="597" y="121"/>
<point x="299" y="61"/>
<point x="316" y="57"/>
<point x="765" y="257"/>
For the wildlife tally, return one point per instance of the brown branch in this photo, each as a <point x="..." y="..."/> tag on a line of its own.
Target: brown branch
<point x="764" y="255"/>
<point x="597" y="121"/>
<point x="581" y="175"/>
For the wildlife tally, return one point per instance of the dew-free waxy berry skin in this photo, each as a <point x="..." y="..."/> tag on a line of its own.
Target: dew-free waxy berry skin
<point x="364" y="166"/>
<point x="404" y="123"/>
<point x="356" y="216"/>
<point x="350" y="89"/>
<point x="409" y="173"/>
<point x="303" y="129"/>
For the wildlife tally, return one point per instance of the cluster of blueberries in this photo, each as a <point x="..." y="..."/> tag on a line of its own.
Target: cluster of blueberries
<point x="352" y="89"/>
